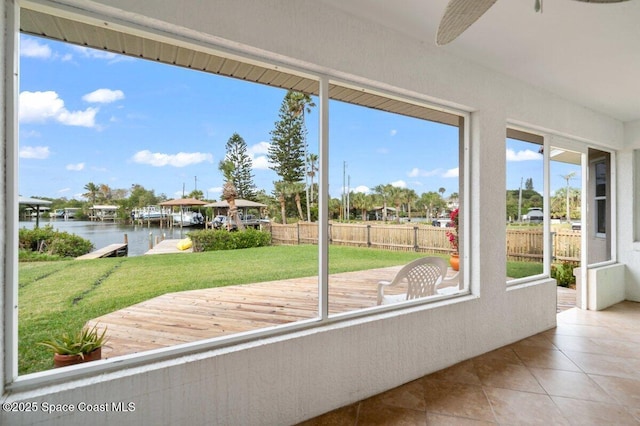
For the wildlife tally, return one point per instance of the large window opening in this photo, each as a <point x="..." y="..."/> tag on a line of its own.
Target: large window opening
<point x="119" y="148"/>
<point x="525" y="205"/>
<point x="599" y="199"/>
<point x="394" y="183"/>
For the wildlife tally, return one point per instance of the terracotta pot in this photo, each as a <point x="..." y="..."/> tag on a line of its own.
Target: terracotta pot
<point x="64" y="360"/>
<point x="454" y="261"/>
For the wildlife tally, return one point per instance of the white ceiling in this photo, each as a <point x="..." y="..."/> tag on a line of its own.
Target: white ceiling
<point x="588" y="53"/>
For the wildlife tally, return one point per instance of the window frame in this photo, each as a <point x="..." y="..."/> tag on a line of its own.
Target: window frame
<point x="15" y="382"/>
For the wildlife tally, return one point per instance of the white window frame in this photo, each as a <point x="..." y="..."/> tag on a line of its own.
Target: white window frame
<point x="14" y="382"/>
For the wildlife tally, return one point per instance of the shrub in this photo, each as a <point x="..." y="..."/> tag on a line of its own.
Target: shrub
<point x="563" y="274"/>
<point x="47" y="241"/>
<point x="211" y="240"/>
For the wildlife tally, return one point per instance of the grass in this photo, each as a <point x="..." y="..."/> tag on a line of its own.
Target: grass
<point x="56" y="297"/>
<point x="523" y="269"/>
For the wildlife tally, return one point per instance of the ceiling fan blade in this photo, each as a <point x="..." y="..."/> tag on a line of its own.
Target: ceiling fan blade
<point x="458" y="16"/>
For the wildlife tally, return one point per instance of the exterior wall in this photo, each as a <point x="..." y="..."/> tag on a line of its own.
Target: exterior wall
<point x="286" y="379"/>
<point x="629" y="210"/>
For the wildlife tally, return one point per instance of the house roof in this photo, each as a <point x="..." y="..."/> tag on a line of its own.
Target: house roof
<point x="240" y="203"/>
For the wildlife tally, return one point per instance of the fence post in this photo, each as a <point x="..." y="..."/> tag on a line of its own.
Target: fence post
<point x="298" y="230"/>
<point x="415" y="238"/>
<point x="368" y="235"/>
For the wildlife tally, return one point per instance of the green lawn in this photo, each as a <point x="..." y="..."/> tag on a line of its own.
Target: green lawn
<point x="62" y="296"/>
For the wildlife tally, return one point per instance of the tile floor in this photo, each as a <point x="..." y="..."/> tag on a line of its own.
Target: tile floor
<point x="584" y="372"/>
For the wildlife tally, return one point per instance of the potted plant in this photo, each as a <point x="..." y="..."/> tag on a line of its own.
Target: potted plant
<point x="82" y="346"/>
<point x="453" y="240"/>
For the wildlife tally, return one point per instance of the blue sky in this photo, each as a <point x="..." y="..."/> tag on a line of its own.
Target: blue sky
<point x="93" y="116"/>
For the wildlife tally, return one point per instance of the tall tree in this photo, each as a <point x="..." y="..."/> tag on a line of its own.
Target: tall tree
<point x="241" y="177"/>
<point x="287" y="149"/>
<point x="312" y="160"/>
<point x="299" y="103"/>
<point x="528" y="184"/>
<point x="229" y="193"/>
<point x="92" y="192"/>
<point x="383" y="193"/>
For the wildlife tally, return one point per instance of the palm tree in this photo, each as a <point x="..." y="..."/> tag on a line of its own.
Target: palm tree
<point x="296" y="188"/>
<point x="282" y="191"/>
<point x="441" y="190"/>
<point x="397" y="197"/>
<point x="299" y="103"/>
<point x="410" y="197"/>
<point x="229" y="192"/>
<point x="359" y="202"/>
<point x="92" y="192"/>
<point x="313" y="168"/>
<point x="382" y="191"/>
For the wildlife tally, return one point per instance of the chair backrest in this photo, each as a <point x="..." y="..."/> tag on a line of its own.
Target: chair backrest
<point x="423" y="276"/>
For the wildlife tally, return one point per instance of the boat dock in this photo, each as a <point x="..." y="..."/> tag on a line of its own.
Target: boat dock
<point x="112" y="250"/>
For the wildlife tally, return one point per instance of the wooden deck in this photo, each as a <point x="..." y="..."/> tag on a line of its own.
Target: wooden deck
<point x="189" y="316"/>
<point x="168" y="246"/>
<point x="111" y="250"/>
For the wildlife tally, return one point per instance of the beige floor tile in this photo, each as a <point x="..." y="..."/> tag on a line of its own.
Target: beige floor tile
<point x="581" y="412"/>
<point x="625" y="391"/>
<point x="524" y="408"/>
<point x="538" y="341"/>
<point x="464" y="372"/>
<point x="545" y="358"/>
<point x="375" y="413"/>
<point x="606" y="365"/>
<point x="571" y="384"/>
<point x="442" y="420"/>
<point x="509" y="376"/>
<point x="456" y="399"/>
<point x="409" y="396"/>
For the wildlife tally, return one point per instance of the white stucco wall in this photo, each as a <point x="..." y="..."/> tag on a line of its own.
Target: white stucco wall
<point x="286" y="379"/>
<point x="628" y="211"/>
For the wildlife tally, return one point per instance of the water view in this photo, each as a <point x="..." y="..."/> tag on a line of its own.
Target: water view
<point x="101" y="234"/>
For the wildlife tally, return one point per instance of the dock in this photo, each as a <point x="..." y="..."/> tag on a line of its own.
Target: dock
<point x="112" y="250"/>
<point x="168" y="246"/>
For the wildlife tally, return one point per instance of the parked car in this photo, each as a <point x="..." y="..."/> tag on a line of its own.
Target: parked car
<point x="576" y="226"/>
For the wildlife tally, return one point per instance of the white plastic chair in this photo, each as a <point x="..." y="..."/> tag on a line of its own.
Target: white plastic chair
<point x="422" y="277"/>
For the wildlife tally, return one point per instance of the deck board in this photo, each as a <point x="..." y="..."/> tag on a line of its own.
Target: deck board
<point x="103" y="252"/>
<point x="189" y="316"/>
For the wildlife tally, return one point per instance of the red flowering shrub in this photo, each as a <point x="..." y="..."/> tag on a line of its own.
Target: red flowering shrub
<point x="453" y="235"/>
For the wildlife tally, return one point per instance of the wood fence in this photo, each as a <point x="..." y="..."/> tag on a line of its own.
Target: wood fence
<point x="522" y="244"/>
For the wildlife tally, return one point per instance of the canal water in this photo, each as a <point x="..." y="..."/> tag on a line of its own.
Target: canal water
<point x="101" y="234"/>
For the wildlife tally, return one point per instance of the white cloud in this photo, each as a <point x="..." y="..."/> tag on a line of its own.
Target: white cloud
<point x="75" y="167"/>
<point x="31" y="48"/>
<point x="259" y="148"/>
<point x="399" y="184"/>
<point x="214" y="190"/>
<point x="526" y="155"/>
<point x="416" y="172"/>
<point x="362" y="188"/>
<point x="382" y="151"/>
<point x="99" y="54"/>
<point x="451" y="173"/>
<point x="39" y="107"/>
<point x="180" y="159"/>
<point x="260" y="163"/>
<point x="34" y="152"/>
<point x="103" y="96"/>
<point x="393" y="132"/>
<point x="64" y="190"/>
